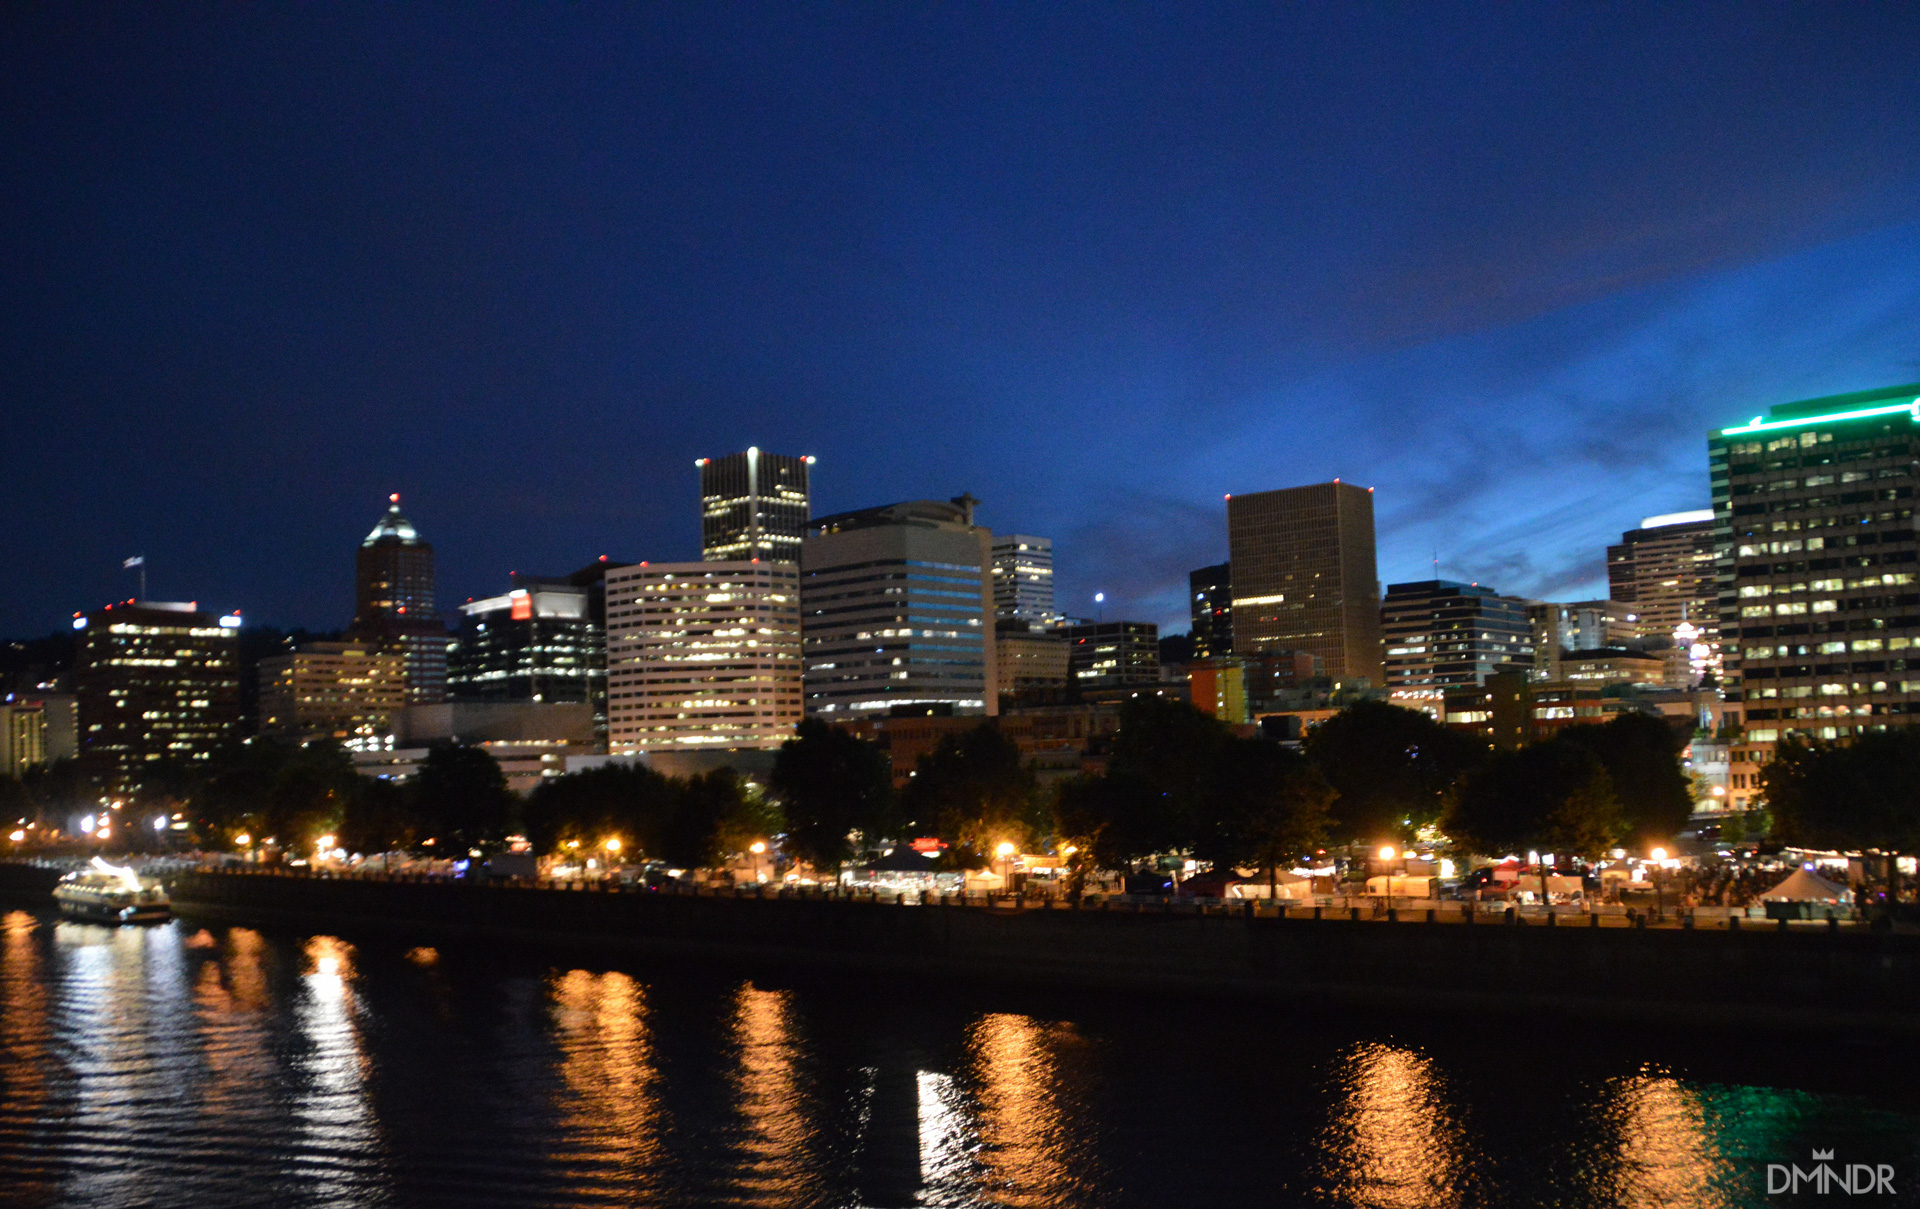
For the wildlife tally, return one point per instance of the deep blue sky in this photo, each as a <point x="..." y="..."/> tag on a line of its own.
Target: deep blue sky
<point x="262" y="264"/>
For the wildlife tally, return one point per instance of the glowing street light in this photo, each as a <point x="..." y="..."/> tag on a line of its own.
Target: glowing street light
<point x="1005" y="852"/>
<point x="1386" y="852"/>
<point x="242" y="840"/>
<point x="612" y="844"/>
<point x="757" y="847"/>
<point x="1658" y="854"/>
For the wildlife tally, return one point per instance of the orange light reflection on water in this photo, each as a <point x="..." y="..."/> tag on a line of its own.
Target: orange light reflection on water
<point x="1394" y="1142"/>
<point x="611" y="1112"/>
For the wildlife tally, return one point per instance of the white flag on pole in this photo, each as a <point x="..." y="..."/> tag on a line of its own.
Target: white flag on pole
<point x="138" y="560"/>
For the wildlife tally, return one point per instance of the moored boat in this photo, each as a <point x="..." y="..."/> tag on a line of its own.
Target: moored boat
<point x="110" y="894"/>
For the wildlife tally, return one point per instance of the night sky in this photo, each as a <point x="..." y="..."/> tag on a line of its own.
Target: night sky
<point x="261" y="265"/>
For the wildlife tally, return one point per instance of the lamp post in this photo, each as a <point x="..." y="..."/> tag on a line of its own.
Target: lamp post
<point x="1659" y="856"/>
<point x="1005" y="852"/>
<point x="757" y="847"/>
<point x="612" y="846"/>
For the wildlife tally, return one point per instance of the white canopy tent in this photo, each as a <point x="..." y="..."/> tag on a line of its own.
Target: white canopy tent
<point x="1807" y="887"/>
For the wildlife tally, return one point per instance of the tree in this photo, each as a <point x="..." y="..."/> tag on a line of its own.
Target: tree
<point x="717" y="818"/>
<point x="628" y="802"/>
<point x="379" y="818"/>
<point x="1554" y="796"/>
<point x="462" y="798"/>
<point x="1392" y="768"/>
<point x="831" y="784"/>
<point x="1642" y="757"/>
<point x="1272" y="805"/>
<point x="1864" y="795"/>
<point x="974" y="789"/>
<point x="1171" y="753"/>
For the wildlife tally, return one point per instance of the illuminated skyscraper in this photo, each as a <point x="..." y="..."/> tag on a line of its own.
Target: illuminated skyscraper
<point x="753" y="505"/>
<point x="898" y="606"/>
<point x="1023" y="578"/>
<point x="340" y="690"/>
<point x="1663" y="571"/>
<point x="1441" y="634"/>
<point x="158" y="683"/>
<point x="537" y="642"/>
<point x="1818" y="567"/>
<point x="394" y="605"/>
<point x="1304" y="577"/>
<point x="702" y="656"/>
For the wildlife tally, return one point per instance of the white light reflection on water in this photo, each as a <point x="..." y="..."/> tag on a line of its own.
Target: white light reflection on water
<point x="1393" y="1141"/>
<point x="338" y="1157"/>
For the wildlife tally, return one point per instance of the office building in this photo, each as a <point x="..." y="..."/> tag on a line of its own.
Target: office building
<point x="1029" y="656"/>
<point x="1441" y="634"/>
<point x="349" y="691"/>
<point x="23" y="736"/>
<point x="753" y="505"/>
<point x="1023" y="579"/>
<point x="703" y="655"/>
<point x="1664" y="572"/>
<point x="1210" y="597"/>
<point x="1816" y="564"/>
<point x="591" y="580"/>
<point x="1612" y="665"/>
<point x="157" y="682"/>
<point x="1218" y="687"/>
<point x="529" y="740"/>
<point x="1582" y="625"/>
<point x="537" y="642"/>
<point x="898" y="608"/>
<point x="394" y="603"/>
<point x="1110" y="654"/>
<point x="1304" y="577"/>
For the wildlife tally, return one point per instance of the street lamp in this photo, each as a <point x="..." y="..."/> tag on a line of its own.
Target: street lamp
<point x="1659" y="856"/>
<point x="757" y="847"/>
<point x="1005" y="852"/>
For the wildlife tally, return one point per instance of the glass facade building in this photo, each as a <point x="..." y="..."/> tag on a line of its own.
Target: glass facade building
<point x="753" y="505"/>
<point x="1817" y="569"/>
<point x="1023" y="579"/>
<point x="897" y="604"/>
<point x="535" y="643"/>
<point x="1210" y="596"/>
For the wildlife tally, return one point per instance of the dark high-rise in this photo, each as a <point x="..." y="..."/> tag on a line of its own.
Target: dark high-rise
<point x="1304" y="577"/>
<point x="1441" y="634"/>
<point x="158" y="684"/>
<point x="1818" y="566"/>
<point x="1210" y="595"/>
<point x="753" y="505"/>
<point x="394" y="606"/>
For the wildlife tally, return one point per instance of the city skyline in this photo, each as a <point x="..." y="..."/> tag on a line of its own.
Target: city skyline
<point x="528" y="309"/>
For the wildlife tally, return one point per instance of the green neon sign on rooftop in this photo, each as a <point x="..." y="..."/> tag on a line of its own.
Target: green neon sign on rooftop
<point x="1860" y="405"/>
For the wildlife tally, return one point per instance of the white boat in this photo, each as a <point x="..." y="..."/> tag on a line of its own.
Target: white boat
<point x="110" y="894"/>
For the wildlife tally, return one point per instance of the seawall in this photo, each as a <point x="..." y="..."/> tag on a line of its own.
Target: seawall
<point x="1816" y="980"/>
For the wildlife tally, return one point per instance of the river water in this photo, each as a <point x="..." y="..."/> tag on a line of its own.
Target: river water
<point x="197" y="1064"/>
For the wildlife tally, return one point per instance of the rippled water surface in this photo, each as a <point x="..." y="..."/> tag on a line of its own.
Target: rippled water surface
<point x="214" y="1065"/>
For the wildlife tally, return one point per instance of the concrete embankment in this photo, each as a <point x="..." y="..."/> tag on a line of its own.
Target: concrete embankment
<point x="1848" y="980"/>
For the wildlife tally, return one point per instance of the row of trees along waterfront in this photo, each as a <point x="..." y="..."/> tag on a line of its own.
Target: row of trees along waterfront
<point x="1176" y="781"/>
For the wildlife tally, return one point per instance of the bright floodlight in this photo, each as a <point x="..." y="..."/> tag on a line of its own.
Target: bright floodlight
<point x="243" y="839"/>
<point x="1659" y="854"/>
<point x="159" y="822"/>
<point x="612" y="844"/>
<point x="1004" y="850"/>
<point x="1386" y="852"/>
<point x="757" y="847"/>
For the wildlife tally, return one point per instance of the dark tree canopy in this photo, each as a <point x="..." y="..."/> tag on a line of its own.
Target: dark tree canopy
<point x="1642" y="756"/>
<point x="975" y="789"/>
<point x="628" y="802"/>
<point x="1553" y="796"/>
<point x="1392" y="768"/>
<point x="831" y="784"/>
<point x="461" y="798"/>
<point x="1864" y="795"/>
<point x="717" y="818"/>
<point x="1271" y="807"/>
<point x="286" y="791"/>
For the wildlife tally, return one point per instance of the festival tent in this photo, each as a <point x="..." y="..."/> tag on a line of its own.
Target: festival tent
<point x="1805" y="886"/>
<point x="1286" y="885"/>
